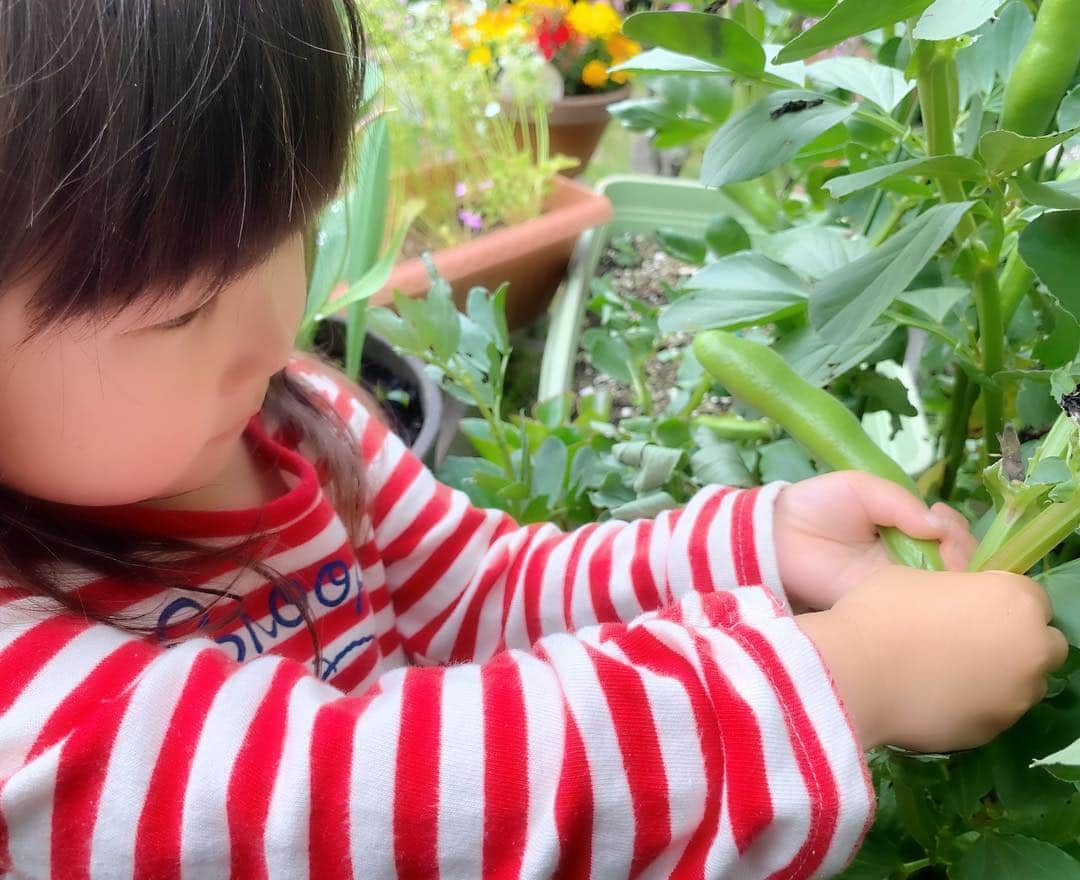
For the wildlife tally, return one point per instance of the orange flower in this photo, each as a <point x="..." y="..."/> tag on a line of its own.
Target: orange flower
<point x="594" y="74"/>
<point x="621" y="48"/>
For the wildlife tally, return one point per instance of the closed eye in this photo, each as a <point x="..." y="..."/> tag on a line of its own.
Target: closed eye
<point x="188" y="317"/>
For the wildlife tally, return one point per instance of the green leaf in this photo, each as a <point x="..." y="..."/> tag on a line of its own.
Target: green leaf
<point x="851" y="18"/>
<point x="946" y="19"/>
<point x="725" y="235"/>
<point x="1060" y="196"/>
<point x="1068" y="115"/>
<point x="682" y="247"/>
<point x="735" y="291"/>
<point x="549" y="469"/>
<point x="785" y="460"/>
<point x="608" y="354"/>
<point x="993" y="53"/>
<point x="660" y="61"/>
<point x="934" y="302"/>
<point x="1064" y="764"/>
<point x="1049" y="246"/>
<point x="720" y="463"/>
<point x="814" y="251"/>
<point x="848" y="302"/>
<point x="1012" y="857"/>
<point x="1005" y="151"/>
<point x="708" y="37"/>
<point x="819" y="361"/>
<point x="767" y="134"/>
<point x="646" y="507"/>
<point x="885" y="86"/>
<point x="658" y="463"/>
<point x="1060" y="584"/>
<point x="934" y="166"/>
<point x="398" y="333"/>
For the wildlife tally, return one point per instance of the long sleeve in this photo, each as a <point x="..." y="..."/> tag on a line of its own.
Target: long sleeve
<point x="705" y="740"/>
<point x="466" y="582"/>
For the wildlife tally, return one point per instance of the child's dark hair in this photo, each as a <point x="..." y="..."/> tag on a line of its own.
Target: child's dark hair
<point x="145" y="141"/>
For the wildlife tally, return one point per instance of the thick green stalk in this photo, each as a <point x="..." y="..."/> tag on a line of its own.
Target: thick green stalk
<point x="955" y="433"/>
<point x="992" y="338"/>
<point x="1041" y="535"/>
<point x="1016" y="282"/>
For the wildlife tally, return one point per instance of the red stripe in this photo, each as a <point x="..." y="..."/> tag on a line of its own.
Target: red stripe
<point x="427" y="576"/>
<point x="158" y="835"/>
<point x="428" y="517"/>
<point x="642" y="762"/>
<point x="506" y="767"/>
<point x="23" y="658"/>
<point x="356" y="672"/>
<point x="809" y="754"/>
<point x="406" y="471"/>
<point x="373" y="439"/>
<point x="254" y="773"/>
<point x="697" y="550"/>
<point x="743" y="546"/>
<point x="494" y="573"/>
<point x="514" y="580"/>
<point x="80" y="776"/>
<point x="573" y="561"/>
<point x="416" y="778"/>
<point x="533" y="578"/>
<point x="389" y="642"/>
<point x="645" y="649"/>
<point x="329" y="832"/>
<point x="600" y="578"/>
<point x="641" y="573"/>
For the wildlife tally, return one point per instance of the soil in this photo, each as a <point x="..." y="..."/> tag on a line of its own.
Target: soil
<point x="644" y="281"/>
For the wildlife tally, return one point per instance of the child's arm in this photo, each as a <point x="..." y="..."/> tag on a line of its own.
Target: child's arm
<point x="699" y="741"/>
<point x="466" y="583"/>
<point x="705" y="740"/>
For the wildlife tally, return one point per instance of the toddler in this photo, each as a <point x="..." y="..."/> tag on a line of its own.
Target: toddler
<point x="244" y="632"/>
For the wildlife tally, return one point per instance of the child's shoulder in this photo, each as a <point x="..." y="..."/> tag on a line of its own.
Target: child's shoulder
<point x="348" y="399"/>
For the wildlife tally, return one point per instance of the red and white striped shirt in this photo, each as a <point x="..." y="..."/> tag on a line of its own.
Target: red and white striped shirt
<point x="627" y="700"/>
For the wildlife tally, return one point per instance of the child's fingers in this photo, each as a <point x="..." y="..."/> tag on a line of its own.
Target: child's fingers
<point x="887" y="504"/>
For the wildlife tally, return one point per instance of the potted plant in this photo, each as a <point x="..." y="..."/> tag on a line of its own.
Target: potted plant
<point x="492" y="210"/>
<point x="567" y="49"/>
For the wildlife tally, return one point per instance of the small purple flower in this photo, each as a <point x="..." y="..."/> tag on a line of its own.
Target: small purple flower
<point x="680" y="7"/>
<point x="460" y="189"/>
<point x="471" y="220"/>
<point x="486" y="185"/>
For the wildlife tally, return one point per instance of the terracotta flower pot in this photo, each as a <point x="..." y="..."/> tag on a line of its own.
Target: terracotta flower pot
<point x="531" y="256"/>
<point x="576" y="124"/>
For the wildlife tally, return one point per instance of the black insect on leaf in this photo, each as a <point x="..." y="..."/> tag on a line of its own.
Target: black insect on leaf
<point x="1071" y="404"/>
<point x="795" y="107"/>
<point x="715" y="6"/>
<point x="1012" y="464"/>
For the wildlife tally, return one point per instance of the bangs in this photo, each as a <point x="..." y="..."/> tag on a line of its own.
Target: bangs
<point x="147" y="142"/>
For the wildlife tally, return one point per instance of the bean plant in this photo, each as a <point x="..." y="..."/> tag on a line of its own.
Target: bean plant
<point x="903" y="171"/>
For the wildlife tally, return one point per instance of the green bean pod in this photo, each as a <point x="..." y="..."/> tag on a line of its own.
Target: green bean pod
<point x="821" y="424"/>
<point x="1044" y="70"/>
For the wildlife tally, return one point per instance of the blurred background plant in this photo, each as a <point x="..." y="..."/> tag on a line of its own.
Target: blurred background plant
<point x="452" y="140"/>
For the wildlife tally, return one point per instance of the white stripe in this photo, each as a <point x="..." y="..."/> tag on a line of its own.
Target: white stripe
<point x="764" y="541"/>
<point x="27" y="802"/>
<point x="413" y="499"/>
<point x="371" y="790"/>
<point x="613" y="818"/>
<point x="133" y="757"/>
<point x="582" y="611"/>
<point x="517" y="631"/>
<point x="803" y="664"/>
<point x="54" y="681"/>
<point x="623" y="594"/>
<point x="719" y="549"/>
<point x="546" y="736"/>
<point x="553" y="586"/>
<point x="461" y="772"/>
<point x="406" y="510"/>
<point x="287" y="823"/>
<point x="204" y="844"/>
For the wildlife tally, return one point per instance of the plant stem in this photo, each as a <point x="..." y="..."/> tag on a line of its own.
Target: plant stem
<point x="956" y="431"/>
<point x="1041" y="535"/>
<point x="992" y="337"/>
<point x="1016" y="281"/>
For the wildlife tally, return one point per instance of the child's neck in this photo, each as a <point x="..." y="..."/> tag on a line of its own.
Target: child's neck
<point x="246" y="482"/>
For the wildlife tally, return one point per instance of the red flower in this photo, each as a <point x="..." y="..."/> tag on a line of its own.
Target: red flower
<point x="562" y="34"/>
<point x="547" y="45"/>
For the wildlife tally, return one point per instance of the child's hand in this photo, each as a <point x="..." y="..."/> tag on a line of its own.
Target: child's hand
<point x="938" y="661"/>
<point x="826" y="533"/>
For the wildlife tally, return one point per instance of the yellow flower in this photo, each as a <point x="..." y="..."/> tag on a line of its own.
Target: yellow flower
<point x="620" y="77"/>
<point x="594" y="74"/>
<point x="594" y="20"/>
<point x="496" y="24"/>
<point x="621" y="48"/>
<point x="480" y="56"/>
